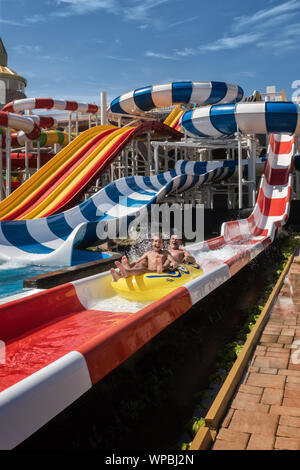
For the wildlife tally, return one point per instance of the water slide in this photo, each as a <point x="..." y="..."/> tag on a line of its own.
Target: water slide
<point x="174" y="117"/>
<point x="67" y="174"/>
<point x="52" y="240"/>
<point x="46" y="139"/>
<point x="61" y="341"/>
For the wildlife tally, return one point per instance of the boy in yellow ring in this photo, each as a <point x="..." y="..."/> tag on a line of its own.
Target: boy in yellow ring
<point x="156" y="260"/>
<point x="180" y="255"/>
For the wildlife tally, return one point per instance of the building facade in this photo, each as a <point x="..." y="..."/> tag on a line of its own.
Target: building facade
<point x="12" y="85"/>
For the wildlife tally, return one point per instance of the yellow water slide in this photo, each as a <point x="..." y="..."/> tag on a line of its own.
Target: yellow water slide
<point x="23" y="197"/>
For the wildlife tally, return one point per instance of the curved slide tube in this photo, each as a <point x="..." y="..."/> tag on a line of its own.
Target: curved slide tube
<point x="17" y="160"/>
<point x="248" y="118"/>
<point x="158" y="96"/>
<point x="62" y="341"/>
<point x="30" y="126"/>
<point x="72" y="169"/>
<point x="46" y="138"/>
<point x="52" y="240"/>
<point x="24" y="123"/>
<point x="19" y="106"/>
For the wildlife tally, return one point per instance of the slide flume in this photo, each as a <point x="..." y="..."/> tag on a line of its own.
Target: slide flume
<point x="62" y="341"/>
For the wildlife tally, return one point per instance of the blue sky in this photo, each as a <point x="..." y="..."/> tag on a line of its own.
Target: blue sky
<point x="73" y="49"/>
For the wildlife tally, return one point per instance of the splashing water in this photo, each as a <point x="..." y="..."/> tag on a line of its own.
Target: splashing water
<point x="137" y="250"/>
<point x="210" y="259"/>
<point x="117" y="303"/>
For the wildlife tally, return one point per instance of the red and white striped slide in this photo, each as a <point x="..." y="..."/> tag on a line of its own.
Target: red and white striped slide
<point x="61" y="341"/>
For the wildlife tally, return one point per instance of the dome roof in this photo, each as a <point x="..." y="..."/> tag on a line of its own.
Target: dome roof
<point x="6" y="72"/>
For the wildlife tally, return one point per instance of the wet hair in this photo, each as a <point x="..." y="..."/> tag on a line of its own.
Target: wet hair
<point x="177" y="237"/>
<point x="157" y="236"/>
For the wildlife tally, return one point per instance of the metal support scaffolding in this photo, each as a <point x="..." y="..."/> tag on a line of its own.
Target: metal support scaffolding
<point x="240" y="171"/>
<point x="26" y="159"/>
<point x="103" y="116"/>
<point x="202" y="150"/>
<point x="2" y="192"/>
<point x="8" y="162"/>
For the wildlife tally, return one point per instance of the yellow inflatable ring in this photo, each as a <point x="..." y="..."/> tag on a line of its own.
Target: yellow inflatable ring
<point x="153" y="286"/>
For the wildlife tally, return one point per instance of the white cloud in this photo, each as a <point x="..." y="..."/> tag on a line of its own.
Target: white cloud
<point x="179" y="23"/>
<point x="139" y="11"/>
<point x="266" y="14"/>
<point x="11" y="22"/>
<point x="159" y="55"/>
<point x="26" y="49"/>
<point x="35" y="19"/>
<point x="185" y="52"/>
<point x="131" y="10"/>
<point x="233" y="42"/>
<point x="285" y="40"/>
<point x="246" y="73"/>
<point x="82" y="7"/>
<point x="112" y="57"/>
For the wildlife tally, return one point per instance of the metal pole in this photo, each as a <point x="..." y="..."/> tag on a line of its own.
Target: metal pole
<point x="166" y="158"/>
<point x="76" y="124"/>
<point x="148" y="154"/>
<point x="253" y="150"/>
<point x="156" y="158"/>
<point x="38" y="155"/>
<point x="69" y="129"/>
<point x="8" y="162"/>
<point x="1" y="169"/>
<point x="126" y="161"/>
<point x="26" y="160"/>
<point x="103" y="120"/>
<point x="250" y="171"/>
<point x="240" y="172"/>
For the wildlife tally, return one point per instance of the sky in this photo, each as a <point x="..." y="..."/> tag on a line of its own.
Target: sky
<point x="74" y="49"/>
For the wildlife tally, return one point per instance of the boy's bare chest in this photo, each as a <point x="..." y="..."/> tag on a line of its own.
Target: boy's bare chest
<point x="157" y="256"/>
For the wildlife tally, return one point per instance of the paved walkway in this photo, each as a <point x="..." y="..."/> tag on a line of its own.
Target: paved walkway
<point x="265" y="411"/>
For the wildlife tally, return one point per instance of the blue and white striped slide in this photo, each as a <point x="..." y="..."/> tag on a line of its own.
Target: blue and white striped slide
<point x="52" y="240"/>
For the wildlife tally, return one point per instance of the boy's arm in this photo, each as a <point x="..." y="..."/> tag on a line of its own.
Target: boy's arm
<point x="188" y="258"/>
<point x="172" y="260"/>
<point x="145" y="255"/>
